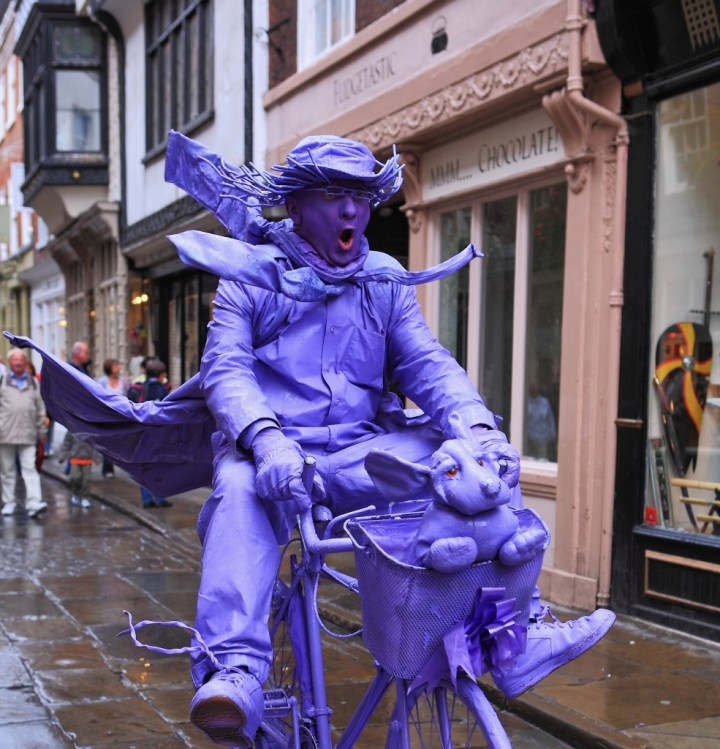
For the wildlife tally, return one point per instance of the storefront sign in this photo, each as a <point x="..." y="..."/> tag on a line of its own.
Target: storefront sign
<point x="369" y="76"/>
<point x="503" y="150"/>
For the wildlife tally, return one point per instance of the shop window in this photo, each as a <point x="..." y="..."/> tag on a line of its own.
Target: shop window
<point x="181" y="311"/>
<point x="685" y="136"/>
<point x="322" y="25"/>
<point x="502" y="318"/>
<point x="179" y="68"/>
<point x="683" y="451"/>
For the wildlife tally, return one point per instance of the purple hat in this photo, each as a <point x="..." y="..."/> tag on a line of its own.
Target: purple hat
<point x="316" y="160"/>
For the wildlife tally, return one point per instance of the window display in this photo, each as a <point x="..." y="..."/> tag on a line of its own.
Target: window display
<point x="683" y="489"/>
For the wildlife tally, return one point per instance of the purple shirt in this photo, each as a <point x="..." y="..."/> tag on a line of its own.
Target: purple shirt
<point x="270" y="359"/>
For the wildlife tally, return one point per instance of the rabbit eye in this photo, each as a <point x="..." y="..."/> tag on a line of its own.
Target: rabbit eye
<point x="481" y="462"/>
<point x="453" y="472"/>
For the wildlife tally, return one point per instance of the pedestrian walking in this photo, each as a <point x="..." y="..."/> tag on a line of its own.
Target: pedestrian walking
<point x="115" y="383"/>
<point x="22" y="424"/>
<point x="80" y="357"/>
<point x="81" y="457"/>
<point x="154" y="388"/>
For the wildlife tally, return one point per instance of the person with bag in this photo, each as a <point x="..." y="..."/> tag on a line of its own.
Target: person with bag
<point x="22" y="424"/>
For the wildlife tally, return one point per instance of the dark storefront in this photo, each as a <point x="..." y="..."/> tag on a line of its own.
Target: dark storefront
<point x="666" y="554"/>
<point x="181" y="311"/>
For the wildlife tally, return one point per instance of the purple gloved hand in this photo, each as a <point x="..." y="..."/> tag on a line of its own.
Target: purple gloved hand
<point x="279" y="462"/>
<point x="506" y="455"/>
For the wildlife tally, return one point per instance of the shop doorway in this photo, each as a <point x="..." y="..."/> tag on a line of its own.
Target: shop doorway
<point x="388" y="232"/>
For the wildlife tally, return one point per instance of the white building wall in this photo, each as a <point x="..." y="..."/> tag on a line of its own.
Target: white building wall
<point x="147" y="191"/>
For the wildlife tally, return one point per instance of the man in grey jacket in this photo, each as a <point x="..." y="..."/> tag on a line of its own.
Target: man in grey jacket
<point x="22" y="422"/>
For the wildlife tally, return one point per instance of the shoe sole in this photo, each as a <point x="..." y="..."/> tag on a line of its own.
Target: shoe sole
<point x="221" y="720"/>
<point x="578" y="649"/>
<point x="35" y="513"/>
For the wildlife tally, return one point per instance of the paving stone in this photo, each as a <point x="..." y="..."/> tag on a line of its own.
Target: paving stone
<point x="43" y="629"/>
<point x="165" y="582"/>
<point x="113" y="721"/>
<point x="17" y="585"/>
<point x="196" y="738"/>
<point x="626" y="703"/>
<point x="659" y="654"/>
<point x="27" y="604"/>
<point x="91" y="611"/>
<point x="123" y="647"/>
<point x="171" y="672"/>
<point x="708" y="728"/>
<point x="80" y="685"/>
<point x="172" y="704"/>
<point x="183" y="604"/>
<point x="35" y="735"/>
<point x="49" y="656"/>
<point x="20" y="706"/>
<point x="595" y="665"/>
<point x="89" y="586"/>
<point x="12" y="671"/>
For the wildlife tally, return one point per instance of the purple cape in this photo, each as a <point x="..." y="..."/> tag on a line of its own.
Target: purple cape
<point x="166" y="446"/>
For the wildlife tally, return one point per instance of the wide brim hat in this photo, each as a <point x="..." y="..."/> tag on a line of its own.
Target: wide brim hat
<point x="317" y="160"/>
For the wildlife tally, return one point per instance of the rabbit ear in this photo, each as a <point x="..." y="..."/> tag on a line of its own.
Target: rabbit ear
<point x="395" y="478"/>
<point x="458" y="428"/>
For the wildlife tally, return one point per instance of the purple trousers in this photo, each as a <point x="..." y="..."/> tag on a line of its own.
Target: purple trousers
<point x="241" y="534"/>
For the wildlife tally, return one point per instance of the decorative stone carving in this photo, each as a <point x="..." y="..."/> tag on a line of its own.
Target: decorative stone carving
<point x="525" y="66"/>
<point x="412" y="189"/>
<point x="575" y="134"/>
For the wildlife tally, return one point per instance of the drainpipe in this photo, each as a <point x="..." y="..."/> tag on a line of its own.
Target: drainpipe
<point x="594" y="111"/>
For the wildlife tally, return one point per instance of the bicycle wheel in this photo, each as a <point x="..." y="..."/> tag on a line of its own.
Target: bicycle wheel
<point x="448" y="719"/>
<point x="287" y="678"/>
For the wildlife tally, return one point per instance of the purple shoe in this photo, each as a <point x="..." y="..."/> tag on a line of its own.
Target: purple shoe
<point x="229" y="708"/>
<point x="551" y="645"/>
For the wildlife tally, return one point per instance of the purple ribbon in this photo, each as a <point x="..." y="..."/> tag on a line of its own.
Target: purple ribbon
<point x="200" y="647"/>
<point x="488" y="639"/>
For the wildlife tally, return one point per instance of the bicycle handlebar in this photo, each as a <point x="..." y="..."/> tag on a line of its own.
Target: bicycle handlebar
<point x="307" y="527"/>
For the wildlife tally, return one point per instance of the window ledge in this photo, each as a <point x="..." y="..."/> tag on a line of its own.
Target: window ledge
<point x="538" y="479"/>
<point x="155" y="153"/>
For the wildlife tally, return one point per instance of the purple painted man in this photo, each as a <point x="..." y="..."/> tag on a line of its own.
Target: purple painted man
<point x="310" y="328"/>
<point x="287" y="378"/>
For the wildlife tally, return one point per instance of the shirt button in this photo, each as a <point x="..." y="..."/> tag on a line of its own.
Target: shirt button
<point x="332" y="330"/>
<point x="328" y="369"/>
<point x="337" y="403"/>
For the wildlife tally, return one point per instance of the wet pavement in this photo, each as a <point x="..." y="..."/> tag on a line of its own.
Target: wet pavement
<point x="66" y="680"/>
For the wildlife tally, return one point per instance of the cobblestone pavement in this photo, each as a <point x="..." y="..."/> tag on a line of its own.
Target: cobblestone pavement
<point x="66" y="680"/>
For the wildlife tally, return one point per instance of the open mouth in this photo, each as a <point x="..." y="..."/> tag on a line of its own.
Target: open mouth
<point x="346" y="238"/>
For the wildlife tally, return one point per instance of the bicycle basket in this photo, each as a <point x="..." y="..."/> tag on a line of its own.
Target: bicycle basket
<point x="407" y="609"/>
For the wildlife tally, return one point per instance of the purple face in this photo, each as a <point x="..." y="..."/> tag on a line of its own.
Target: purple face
<point x="332" y="223"/>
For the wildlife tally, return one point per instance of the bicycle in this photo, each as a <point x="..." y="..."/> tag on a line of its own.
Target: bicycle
<point x="297" y="714"/>
<point x="406" y="612"/>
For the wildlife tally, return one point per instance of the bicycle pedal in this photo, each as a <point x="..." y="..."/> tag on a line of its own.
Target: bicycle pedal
<point x="277" y="704"/>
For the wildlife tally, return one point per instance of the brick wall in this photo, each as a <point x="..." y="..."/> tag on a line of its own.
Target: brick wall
<point x="283" y="31"/>
<point x="283" y="37"/>
<point x="367" y="11"/>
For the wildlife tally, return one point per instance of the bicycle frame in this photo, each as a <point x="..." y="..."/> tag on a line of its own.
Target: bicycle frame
<point x="309" y="659"/>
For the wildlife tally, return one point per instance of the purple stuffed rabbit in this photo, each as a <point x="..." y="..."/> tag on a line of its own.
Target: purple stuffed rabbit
<point x="470" y="482"/>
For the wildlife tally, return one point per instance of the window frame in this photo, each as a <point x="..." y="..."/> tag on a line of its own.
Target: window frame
<point x="306" y="55"/>
<point x="155" y="132"/>
<point x="38" y="99"/>
<point x="475" y="201"/>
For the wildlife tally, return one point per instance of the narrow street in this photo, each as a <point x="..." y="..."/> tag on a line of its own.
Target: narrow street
<point x="66" y="680"/>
